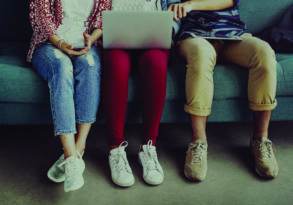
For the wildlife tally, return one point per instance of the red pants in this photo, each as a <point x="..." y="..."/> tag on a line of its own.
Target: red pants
<point x="152" y="70"/>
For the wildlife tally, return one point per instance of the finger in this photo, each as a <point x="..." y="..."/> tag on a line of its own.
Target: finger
<point x="88" y="43"/>
<point x="88" y="47"/>
<point x="175" y="12"/>
<point x="86" y="35"/>
<point x="79" y="53"/>
<point x="184" y="12"/>
<point x="68" y="52"/>
<point x="84" y="50"/>
<point x="68" y="46"/>
<point x="179" y="12"/>
<point x="171" y="7"/>
<point x="87" y="40"/>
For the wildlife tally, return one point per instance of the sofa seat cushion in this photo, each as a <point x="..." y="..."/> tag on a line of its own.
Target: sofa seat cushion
<point x="20" y="83"/>
<point x="284" y="56"/>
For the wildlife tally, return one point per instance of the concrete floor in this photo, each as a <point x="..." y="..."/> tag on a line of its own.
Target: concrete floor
<point x="27" y="152"/>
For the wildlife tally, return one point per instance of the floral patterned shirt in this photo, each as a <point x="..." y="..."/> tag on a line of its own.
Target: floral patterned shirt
<point x="46" y="16"/>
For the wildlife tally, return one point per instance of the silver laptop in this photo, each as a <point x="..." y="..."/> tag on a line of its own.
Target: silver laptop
<point x="137" y="30"/>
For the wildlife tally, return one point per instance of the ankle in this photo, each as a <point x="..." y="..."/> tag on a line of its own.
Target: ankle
<point x="113" y="147"/>
<point x="68" y="155"/>
<point x="150" y="142"/>
<point x="260" y="136"/>
<point x="199" y="139"/>
<point x="80" y="150"/>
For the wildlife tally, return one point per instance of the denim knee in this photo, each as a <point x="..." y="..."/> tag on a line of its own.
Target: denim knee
<point x="87" y="74"/>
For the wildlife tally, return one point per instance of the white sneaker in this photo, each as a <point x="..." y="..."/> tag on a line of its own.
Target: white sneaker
<point x="56" y="173"/>
<point x="81" y="162"/>
<point x="120" y="170"/>
<point x="152" y="171"/>
<point x="73" y="174"/>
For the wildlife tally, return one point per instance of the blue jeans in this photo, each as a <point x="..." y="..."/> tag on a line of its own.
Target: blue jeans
<point x="74" y="85"/>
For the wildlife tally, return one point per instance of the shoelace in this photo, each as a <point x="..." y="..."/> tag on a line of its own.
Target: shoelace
<point x="79" y="155"/>
<point x="61" y="165"/>
<point x="151" y="155"/>
<point x="266" y="149"/>
<point x="197" y="151"/>
<point x="120" y="159"/>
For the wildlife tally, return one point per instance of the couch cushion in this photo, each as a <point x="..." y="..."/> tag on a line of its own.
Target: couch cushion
<point x="284" y="56"/>
<point x="19" y="82"/>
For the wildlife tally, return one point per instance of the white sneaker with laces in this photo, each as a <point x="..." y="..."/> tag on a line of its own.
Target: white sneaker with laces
<point x="152" y="171"/>
<point x="73" y="174"/>
<point x="56" y="173"/>
<point x="120" y="170"/>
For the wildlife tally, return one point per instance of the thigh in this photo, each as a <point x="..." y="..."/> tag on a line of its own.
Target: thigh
<point x="193" y="47"/>
<point x="90" y="61"/>
<point x="243" y="52"/>
<point x="153" y="58"/>
<point x="117" y="59"/>
<point x="117" y="66"/>
<point x="48" y="60"/>
<point x="153" y="53"/>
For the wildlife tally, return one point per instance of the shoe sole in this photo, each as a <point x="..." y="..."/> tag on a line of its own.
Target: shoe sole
<point x="263" y="175"/>
<point x="152" y="184"/>
<point x="76" y="188"/>
<point x="255" y="168"/>
<point x="193" y="179"/>
<point x="149" y="183"/>
<point x="62" y="179"/>
<point x="123" y="185"/>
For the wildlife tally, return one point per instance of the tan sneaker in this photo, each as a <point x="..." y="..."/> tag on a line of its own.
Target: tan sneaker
<point x="264" y="158"/>
<point x="196" y="165"/>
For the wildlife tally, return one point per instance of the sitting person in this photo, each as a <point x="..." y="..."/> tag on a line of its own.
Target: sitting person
<point x="212" y="18"/>
<point x="151" y="65"/>
<point x="63" y="53"/>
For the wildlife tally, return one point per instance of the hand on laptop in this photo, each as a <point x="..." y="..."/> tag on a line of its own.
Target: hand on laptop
<point x="179" y="10"/>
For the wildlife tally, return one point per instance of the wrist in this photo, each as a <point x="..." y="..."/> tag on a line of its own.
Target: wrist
<point x="59" y="43"/>
<point x="93" y="38"/>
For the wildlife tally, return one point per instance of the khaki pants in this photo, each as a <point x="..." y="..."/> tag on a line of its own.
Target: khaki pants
<point x="251" y="53"/>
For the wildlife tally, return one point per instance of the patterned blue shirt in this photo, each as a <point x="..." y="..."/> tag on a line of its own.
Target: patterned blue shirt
<point x="223" y="23"/>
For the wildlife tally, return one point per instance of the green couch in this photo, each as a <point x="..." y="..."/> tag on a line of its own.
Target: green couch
<point x="24" y="96"/>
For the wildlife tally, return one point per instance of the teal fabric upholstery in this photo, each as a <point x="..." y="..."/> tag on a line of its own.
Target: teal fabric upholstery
<point x="24" y="95"/>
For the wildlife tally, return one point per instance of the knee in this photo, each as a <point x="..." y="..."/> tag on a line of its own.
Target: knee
<point x="88" y="60"/>
<point x="264" y="57"/>
<point x="88" y="64"/>
<point x="62" y="68"/>
<point x="155" y="59"/>
<point x="199" y="53"/>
